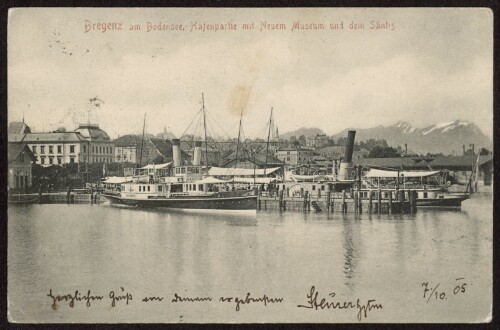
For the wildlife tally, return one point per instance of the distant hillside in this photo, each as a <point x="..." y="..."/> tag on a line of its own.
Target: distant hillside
<point x="446" y="137"/>
<point x="312" y="131"/>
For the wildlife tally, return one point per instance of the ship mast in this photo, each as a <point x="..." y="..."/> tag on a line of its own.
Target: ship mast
<point x="142" y="142"/>
<point x="239" y="134"/>
<point x="205" y="128"/>
<point x="268" y="137"/>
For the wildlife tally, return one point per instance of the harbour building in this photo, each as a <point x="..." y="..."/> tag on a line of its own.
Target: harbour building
<point x="87" y="144"/>
<point x="20" y="159"/>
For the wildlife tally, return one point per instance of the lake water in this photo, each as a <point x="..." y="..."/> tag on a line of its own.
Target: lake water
<point x="104" y="248"/>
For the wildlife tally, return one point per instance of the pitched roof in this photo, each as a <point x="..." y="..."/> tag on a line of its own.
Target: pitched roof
<point x="92" y="132"/>
<point x="18" y="127"/>
<point x="448" y="162"/>
<point x="165" y="148"/>
<point x="14" y="149"/>
<point x="53" y="137"/>
<point x="258" y="159"/>
<point x="230" y="171"/>
<point x="295" y="148"/>
<point x="129" y="140"/>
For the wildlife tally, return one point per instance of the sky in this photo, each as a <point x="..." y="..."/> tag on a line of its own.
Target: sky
<point x="425" y="66"/>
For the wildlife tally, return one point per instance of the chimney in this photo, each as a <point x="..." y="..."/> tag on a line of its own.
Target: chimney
<point x="197" y="153"/>
<point x="176" y="152"/>
<point x="346" y="164"/>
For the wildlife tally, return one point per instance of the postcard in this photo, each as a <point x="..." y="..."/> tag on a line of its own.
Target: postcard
<point x="250" y="165"/>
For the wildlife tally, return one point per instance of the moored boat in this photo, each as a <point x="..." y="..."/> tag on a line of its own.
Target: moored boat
<point x="431" y="186"/>
<point x="185" y="189"/>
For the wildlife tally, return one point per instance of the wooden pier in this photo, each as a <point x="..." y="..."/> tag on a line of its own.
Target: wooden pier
<point x="397" y="201"/>
<point x="55" y="198"/>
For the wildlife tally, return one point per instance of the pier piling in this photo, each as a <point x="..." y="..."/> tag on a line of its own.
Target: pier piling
<point x="344" y="204"/>
<point x="370" y="201"/>
<point x="390" y="202"/>
<point x="379" y="201"/>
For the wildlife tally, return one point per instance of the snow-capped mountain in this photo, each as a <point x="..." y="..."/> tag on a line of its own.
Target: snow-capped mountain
<point x="405" y="127"/>
<point x="447" y="137"/>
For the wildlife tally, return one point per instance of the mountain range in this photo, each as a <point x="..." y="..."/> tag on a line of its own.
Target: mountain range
<point x="302" y="131"/>
<point x="446" y="138"/>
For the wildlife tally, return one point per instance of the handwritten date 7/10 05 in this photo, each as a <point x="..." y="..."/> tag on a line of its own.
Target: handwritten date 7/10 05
<point x="437" y="293"/>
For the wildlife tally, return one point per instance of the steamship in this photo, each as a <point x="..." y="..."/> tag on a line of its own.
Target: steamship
<point x="430" y="186"/>
<point x="184" y="189"/>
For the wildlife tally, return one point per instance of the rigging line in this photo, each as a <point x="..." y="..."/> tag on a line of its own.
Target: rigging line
<point x="182" y="135"/>
<point x="220" y="127"/>
<point x="268" y="136"/>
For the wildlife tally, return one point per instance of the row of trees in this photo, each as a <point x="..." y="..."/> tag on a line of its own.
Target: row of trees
<point x="60" y="177"/>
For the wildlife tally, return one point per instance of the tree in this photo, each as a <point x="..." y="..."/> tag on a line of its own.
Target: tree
<point x="484" y="151"/>
<point x="302" y="140"/>
<point x="342" y="141"/>
<point x="383" y="152"/>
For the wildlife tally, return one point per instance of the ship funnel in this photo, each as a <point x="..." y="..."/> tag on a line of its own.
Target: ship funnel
<point x="346" y="164"/>
<point x="176" y="152"/>
<point x="197" y="153"/>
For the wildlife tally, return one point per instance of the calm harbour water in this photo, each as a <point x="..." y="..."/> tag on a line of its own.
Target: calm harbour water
<point x="195" y="254"/>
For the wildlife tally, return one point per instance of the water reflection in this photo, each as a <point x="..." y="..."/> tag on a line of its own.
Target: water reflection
<point x="99" y="246"/>
<point x="352" y="249"/>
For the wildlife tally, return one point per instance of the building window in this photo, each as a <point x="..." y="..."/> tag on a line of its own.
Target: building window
<point x="51" y="160"/>
<point x="71" y="160"/>
<point x="59" y="160"/>
<point x="42" y="160"/>
<point x="313" y="187"/>
<point x="21" y="158"/>
<point x="34" y="149"/>
<point x="71" y="149"/>
<point x="42" y="149"/>
<point x="160" y="188"/>
<point x="51" y="149"/>
<point x="93" y="150"/>
<point x="149" y="188"/>
<point x="140" y="188"/>
<point x="59" y="149"/>
<point x="84" y="149"/>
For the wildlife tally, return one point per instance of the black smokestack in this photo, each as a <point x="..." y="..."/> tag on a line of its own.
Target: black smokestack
<point x="349" y="148"/>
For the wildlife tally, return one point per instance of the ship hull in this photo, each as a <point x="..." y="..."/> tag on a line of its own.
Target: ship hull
<point x="447" y="201"/>
<point x="197" y="203"/>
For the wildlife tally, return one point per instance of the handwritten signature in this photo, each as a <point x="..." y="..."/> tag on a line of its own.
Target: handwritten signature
<point x="363" y="309"/>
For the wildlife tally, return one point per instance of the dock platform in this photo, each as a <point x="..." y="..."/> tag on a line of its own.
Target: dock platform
<point x="345" y="202"/>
